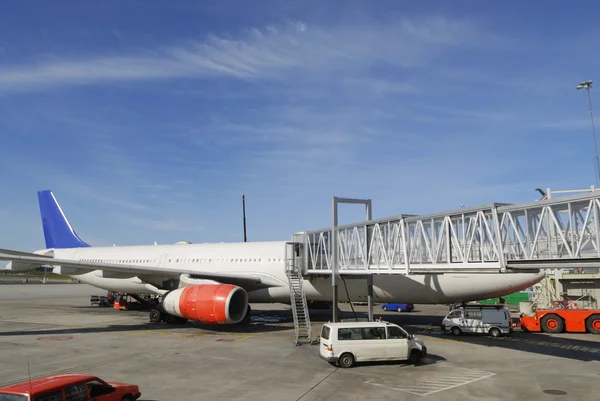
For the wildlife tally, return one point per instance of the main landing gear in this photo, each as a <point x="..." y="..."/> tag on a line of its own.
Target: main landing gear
<point x="158" y="315"/>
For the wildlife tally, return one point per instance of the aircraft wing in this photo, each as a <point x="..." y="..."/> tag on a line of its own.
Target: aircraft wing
<point x="20" y="253"/>
<point x="248" y="281"/>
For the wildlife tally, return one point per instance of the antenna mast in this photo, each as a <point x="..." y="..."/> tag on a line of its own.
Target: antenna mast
<point x="587" y="85"/>
<point x="244" y="214"/>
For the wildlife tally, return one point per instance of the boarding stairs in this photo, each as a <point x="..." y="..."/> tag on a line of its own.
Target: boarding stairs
<point x="297" y="295"/>
<point x="560" y="232"/>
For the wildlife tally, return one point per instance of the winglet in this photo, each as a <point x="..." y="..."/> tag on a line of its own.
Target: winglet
<point x="58" y="232"/>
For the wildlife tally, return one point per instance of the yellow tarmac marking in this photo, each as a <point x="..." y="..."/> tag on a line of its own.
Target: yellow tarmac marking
<point x="150" y="332"/>
<point x="242" y="338"/>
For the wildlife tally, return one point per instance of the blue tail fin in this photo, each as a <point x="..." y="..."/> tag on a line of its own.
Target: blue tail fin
<point x="57" y="230"/>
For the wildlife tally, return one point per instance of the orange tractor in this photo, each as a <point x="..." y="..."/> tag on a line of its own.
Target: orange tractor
<point x="564" y="316"/>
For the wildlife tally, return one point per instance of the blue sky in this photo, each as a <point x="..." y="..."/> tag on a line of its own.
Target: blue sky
<point x="149" y="119"/>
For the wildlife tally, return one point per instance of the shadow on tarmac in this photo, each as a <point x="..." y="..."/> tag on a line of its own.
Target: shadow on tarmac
<point x="558" y="345"/>
<point x="580" y="348"/>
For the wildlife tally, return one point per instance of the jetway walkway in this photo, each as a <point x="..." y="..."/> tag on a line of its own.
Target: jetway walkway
<point x="554" y="233"/>
<point x="499" y="237"/>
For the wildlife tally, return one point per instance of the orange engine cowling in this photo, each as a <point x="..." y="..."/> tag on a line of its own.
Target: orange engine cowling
<point x="208" y="303"/>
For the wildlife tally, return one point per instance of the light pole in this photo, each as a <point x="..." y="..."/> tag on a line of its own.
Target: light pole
<point x="587" y="85"/>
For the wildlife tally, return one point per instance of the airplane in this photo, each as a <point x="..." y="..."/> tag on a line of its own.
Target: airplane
<point x="214" y="283"/>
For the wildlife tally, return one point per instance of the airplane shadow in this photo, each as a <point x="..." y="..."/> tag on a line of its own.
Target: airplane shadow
<point x="260" y="322"/>
<point x="578" y="349"/>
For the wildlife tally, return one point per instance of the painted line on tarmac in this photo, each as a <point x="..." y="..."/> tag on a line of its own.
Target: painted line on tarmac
<point x="150" y="332"/>
<point x="242" y="338"/>
<point x="441" y="378"/>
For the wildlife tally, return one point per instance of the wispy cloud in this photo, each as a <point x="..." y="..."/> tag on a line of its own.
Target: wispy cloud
<point x="258" y="53"/>
<point x="291" y="114"/>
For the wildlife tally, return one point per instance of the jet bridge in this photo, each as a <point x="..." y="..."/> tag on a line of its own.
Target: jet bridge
<point x="555" y="233"/>
<point x="498" y="237"/>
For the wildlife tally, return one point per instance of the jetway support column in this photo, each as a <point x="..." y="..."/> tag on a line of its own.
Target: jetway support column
<point x="370" y="296"/>
<point x="334" y="245"/>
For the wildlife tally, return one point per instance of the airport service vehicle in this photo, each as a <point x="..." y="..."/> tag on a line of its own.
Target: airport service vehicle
<point x="69" y="388"/>
<point x="564" y="316"/>
<point x="398" y="307"/>
<point x="346" y="343"/>
<point x="214" y="283"/>
<point x="494" y="320"/>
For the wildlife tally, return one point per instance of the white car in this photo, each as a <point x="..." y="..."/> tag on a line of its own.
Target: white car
<point x="346" y="343"/>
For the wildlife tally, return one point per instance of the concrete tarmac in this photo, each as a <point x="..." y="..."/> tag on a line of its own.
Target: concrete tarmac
<point x="54" y="328"/>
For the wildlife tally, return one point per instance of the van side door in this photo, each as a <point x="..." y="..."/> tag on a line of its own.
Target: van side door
<point x="397" y="340"/>
<point x="474" y="322"/>
<point x="374" y="344"/>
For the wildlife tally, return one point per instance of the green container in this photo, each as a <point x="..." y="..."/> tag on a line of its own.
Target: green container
<point x="511" y="299"/>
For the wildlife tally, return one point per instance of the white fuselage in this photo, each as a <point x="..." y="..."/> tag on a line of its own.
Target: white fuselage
<point x="268" y="259"/>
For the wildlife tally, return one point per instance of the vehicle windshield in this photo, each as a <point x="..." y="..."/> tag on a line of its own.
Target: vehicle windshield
<point x="454" y="314"/>
<point x="12" y="397"/>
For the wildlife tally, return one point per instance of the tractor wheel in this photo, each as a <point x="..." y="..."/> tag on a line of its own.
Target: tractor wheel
<point x="552" y="323"/>
<point x="593" y="324"/>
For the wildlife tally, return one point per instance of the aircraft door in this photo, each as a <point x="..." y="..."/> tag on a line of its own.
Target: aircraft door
<point x="294" y="257"/>
<point x="162" y="260"/>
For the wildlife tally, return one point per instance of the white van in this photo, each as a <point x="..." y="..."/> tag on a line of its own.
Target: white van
<point x="494" y="320"/>
<point x="346" y="343"/>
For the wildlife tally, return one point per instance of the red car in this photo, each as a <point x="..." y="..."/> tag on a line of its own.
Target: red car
<point x="71" y="388"/>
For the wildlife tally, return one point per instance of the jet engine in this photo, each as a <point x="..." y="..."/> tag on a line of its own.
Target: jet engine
<point x="208" y="303"/>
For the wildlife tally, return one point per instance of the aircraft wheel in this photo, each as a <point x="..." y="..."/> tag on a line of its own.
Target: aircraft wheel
<point x="155" y="316"/>
<point x="552" y="323"/>
<point x="593" y="324"/>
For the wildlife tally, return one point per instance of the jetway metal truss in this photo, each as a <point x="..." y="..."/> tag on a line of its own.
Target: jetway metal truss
<point x="492" y="237"/>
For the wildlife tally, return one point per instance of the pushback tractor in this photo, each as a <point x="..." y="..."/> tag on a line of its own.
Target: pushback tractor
<point x="563" y="316"/>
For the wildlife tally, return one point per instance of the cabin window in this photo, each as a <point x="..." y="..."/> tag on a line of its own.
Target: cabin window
<point x="374" y="333"/>
<point x="76" y="392"/>
<point x="472" y="315"/>
<point x="350" y="334"/>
